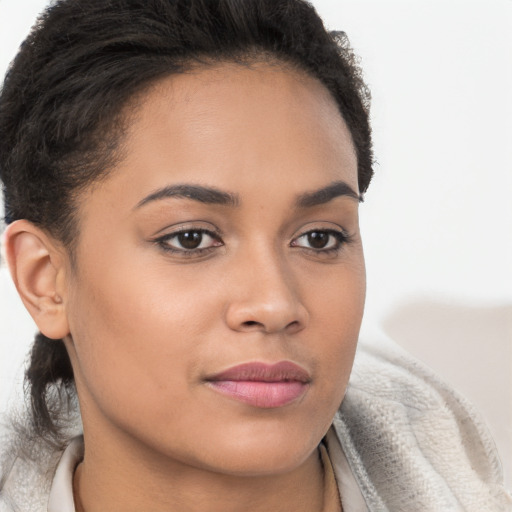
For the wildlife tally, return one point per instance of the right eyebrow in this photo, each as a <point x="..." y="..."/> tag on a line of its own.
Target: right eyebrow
<point x="200" y="193"/>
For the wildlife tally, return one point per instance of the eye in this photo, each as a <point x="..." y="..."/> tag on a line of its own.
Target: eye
<point x="321" y="240"/>
<point x="189" y="241"/>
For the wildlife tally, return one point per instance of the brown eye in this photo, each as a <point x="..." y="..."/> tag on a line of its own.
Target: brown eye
<point x="190" y="239"/>
<point x="318" y="239"/>
<point x="321" y="240"/>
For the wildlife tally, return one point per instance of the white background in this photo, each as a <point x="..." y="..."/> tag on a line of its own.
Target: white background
<point x="437" y="221"/>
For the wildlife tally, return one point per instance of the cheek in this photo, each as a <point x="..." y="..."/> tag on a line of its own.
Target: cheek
<point x="132" y="333"/>
<point x="336" y="295"/>
<point x="336" y="319"/>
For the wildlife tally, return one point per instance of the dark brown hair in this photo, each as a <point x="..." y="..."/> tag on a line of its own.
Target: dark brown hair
<point x="64" y="95"/>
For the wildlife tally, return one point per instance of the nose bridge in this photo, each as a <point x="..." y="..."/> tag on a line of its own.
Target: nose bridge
<point x="266" y="295"/>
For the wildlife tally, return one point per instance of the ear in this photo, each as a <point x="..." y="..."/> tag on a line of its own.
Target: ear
<point x="37" y="266"/>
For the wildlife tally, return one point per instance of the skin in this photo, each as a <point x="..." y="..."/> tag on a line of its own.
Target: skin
<point x="145" y="326"/>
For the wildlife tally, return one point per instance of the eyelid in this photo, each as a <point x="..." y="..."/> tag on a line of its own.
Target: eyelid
<point x="163" y="240"/>
<point x="325" y="226"/>
<point x="176" y="234"/>
<point x="192" y="225"/>
<point x="342" y="236"/>
<point x="331" y="232"/>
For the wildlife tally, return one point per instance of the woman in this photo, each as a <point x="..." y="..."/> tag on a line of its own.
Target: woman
<point x="182" y="182"/>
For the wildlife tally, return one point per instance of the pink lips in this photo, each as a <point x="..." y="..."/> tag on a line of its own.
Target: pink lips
<point x="262" y="385"/>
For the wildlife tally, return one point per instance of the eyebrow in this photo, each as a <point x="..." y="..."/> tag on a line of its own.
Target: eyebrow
<point x="208" y="195"/>
<point x="326" y="194"/>
<point x="211" y="195"/>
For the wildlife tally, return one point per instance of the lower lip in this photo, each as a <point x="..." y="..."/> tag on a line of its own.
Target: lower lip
<point x="261" y="394"/>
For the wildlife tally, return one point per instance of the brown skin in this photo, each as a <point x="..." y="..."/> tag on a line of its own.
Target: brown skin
<point x="144" y="326"/>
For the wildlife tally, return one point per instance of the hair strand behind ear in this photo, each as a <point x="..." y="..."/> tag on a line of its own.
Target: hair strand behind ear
<point x="49" y="368"/>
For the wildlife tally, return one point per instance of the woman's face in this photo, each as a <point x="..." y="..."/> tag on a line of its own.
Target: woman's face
<point x="228" y="235"/>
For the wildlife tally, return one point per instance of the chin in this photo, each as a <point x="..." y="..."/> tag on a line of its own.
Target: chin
<point x="263" y="450"/>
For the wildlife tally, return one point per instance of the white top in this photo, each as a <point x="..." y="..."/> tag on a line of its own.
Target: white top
<point x="61" y="494"/>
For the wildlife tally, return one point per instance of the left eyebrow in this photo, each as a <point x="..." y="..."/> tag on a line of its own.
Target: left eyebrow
<point x="326" y="194"/>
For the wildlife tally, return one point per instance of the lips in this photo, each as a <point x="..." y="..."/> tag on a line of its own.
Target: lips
<point x="262" y="385"/>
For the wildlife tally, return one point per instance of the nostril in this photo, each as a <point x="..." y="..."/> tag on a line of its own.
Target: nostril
<point x="251" y="323"/>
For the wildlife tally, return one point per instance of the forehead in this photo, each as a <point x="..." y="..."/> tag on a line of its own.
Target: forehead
<point x="236" y="127"/>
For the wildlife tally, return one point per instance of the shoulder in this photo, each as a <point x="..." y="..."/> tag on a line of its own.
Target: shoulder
<point x="27" y="464"/>
<point x="22" y="482"/>
<point x="412" y="442"/>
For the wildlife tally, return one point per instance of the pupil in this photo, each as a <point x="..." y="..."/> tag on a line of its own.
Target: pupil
<point x="190" y="239"/>
<point x="318" y="240"/>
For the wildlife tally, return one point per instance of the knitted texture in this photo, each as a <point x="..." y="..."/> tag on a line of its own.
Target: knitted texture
<point x="414" y="444"/>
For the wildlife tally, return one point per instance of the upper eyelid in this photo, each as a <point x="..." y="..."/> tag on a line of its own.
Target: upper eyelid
<point x="328" y="230"/>
<point x="176" y="229"/>
<point x="164" y="242"/>
<point x="173" y="234"/>
<point x="186" y="230"/>
<point x="344" y="238"/>
<point x="338" y="230"/>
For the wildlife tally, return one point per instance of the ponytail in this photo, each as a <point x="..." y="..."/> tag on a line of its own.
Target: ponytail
<point x="50" y="382"/>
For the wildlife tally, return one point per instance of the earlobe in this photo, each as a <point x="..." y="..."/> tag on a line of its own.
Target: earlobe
<point x="37" y="268"/>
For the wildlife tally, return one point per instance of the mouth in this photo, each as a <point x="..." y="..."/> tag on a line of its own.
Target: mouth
<point x="262" y="385"/>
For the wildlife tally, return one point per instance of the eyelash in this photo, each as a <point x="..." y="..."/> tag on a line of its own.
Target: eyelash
<point x="163" y="242"/>
<point x="342" y="238"/>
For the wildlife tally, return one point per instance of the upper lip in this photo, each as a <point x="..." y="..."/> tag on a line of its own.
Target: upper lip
<point x="262" y="372"/>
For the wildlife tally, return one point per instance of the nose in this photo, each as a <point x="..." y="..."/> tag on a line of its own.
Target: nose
<point x="265" y="298"/>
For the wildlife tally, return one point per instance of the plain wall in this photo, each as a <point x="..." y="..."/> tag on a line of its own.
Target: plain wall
<point x="437" y="220"/>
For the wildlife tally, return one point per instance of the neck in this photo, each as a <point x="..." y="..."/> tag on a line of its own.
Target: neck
<point x="128" y="480"/>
